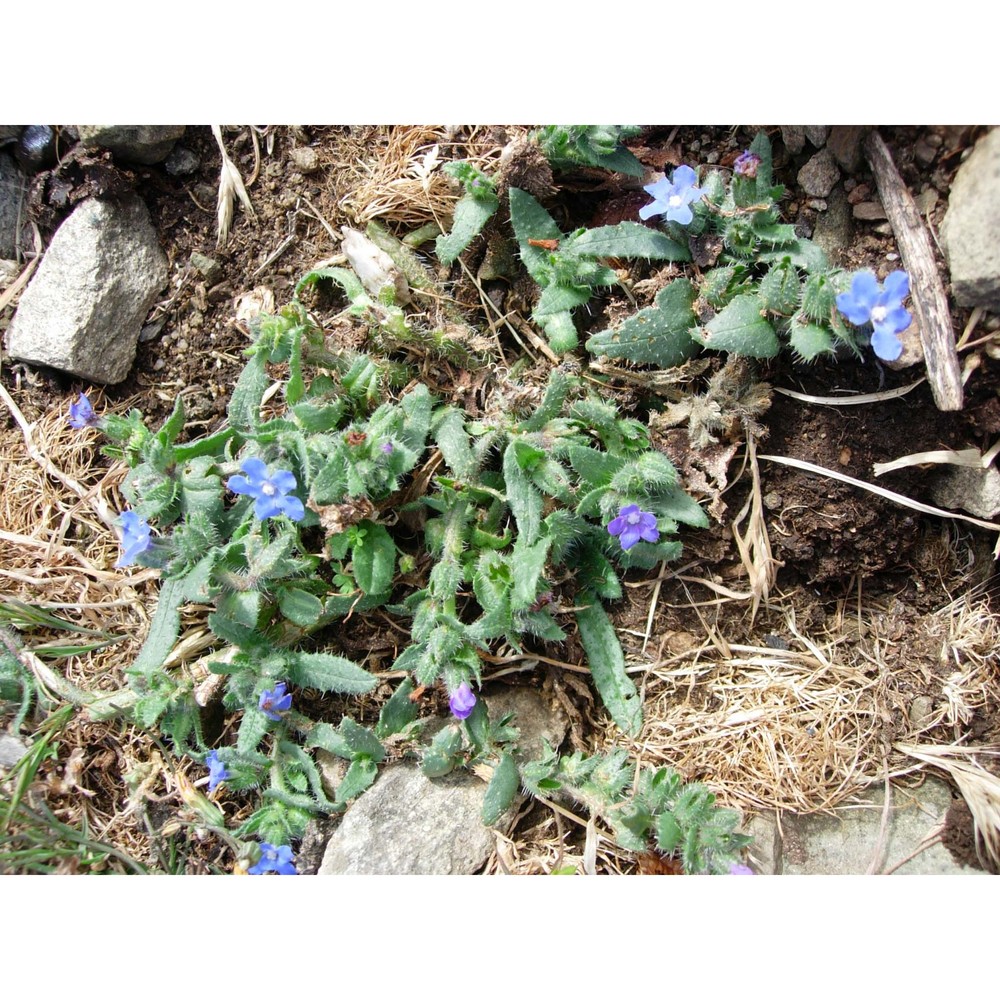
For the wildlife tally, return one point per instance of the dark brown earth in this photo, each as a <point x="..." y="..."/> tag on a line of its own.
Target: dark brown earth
<point x="830" y="538"/>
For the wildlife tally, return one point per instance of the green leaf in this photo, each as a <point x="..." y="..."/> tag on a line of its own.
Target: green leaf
<point x="329" y="673"/>
<point x="502" y="788"/>
<point x="560" y="331"/>
<point x="242" y="607"/>
<point x="253" y="726"/>
<point x="658" y="335"/>
<point x="471" y="213"/>
<point x="809" y="341"/>
<point x="331" y="740"/>
<point x="561" y="298"/>
<point x="398" y="712"/>
<point x="532" y="222"/>
<point x="299" y="606"/>
<point x="627" y="239"/>
<point x="361" y="741"/>
<point x="374" y="558"/>
<point x="163" y="630"/>
<point x="248" y="393"/>
<point x="607" y="665"/>
<point x="528" y="564"/>
<point x="360" y="776"/>
<point x="740" y="329"/>
<point x="523" y="499"/>
<point x="668" y="833"/>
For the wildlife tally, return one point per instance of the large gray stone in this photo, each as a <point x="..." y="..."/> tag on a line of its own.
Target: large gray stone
<point x="12" y="186"/>
<point x="819" y="175"/>
<point x="967" y="488"/>
<point x="408" y="824"/>
<point x="11" y="750"/>
<point x="135" y="143"/>
<point x="83" y="310"/>
<point x="971" y="228"/>
<point x="848" y="842"/>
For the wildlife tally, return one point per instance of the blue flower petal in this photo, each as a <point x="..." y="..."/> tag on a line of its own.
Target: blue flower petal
<point x="267" y="506"/>
<point x="240" y="484"/>
<point x="684" y="177"/>
<point x="292" y="508"/>
<point x="283" y="480"/>
<point x="857" y="312"/>
<point x="896" y="321"/>
<point x="255" y="469"/>
<point x="682" y="214"/>
<point x="897" y="286"/>
<point x="886" y="345"/>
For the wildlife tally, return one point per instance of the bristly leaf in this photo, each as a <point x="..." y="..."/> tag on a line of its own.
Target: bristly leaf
<point x="374" y="558"/>
<point x="501" y="790"/>
<point x="627" y="239"/>
<point x="329" y="673"/>
<point x="398" y="712"/>
<point x="740" y="329"/>
<point x="607" y="665"/>
<point x="658" y="335"/>
<point x="473" y="211"/>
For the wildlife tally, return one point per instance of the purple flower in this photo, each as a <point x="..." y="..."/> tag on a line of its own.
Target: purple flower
<point x="270" y="495"/>
<point x="869" y="302"/>
<point x="81" y="413"/>
<point x="673" y="198"/>
<point x="273" y="702"/>
<point x="387" y="448"/>
<point x="274" y="859"/>
<point x="738" y="869"/>
<point x="462" y="701"/>
<point x="746" y="164"/>
<point x="631" y="524"/>
<point x="135" y="537"/>
<point x="217" y="772"/>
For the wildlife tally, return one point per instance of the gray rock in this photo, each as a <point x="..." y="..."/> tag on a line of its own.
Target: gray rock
<point x="84" y="308"/>
<point x="971" y="228"/>
<point x="964" y="488"/>
<point x="12" y="188"/>
<point x="11" y="750"/>
<point x="847" y="842"/>
<point x="817" y="134"/>
<point x="819" y="175"/>
<point x="305" y="159"/>
<point x="408" y="824"/>
<point x="844" y="143"/>
<point x="794" y="138"/>
<point x="135" y="143"/>
<point x="208" y="267"/>
<point x="869" y="211"/>
<point x="181" y="162"/>
<point x="834" y="227"/>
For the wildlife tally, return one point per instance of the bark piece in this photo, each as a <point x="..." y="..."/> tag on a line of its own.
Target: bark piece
<point x="926" y="288"/>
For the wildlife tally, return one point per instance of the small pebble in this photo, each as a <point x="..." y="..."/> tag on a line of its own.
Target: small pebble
<point x="817" y="203"/>
<point x="159" y="364"/>
<point x="305" y="158"/>
<point x="182" y="345"/>
<point x="712" y="157"/>
<point x="181" y="162"/>
<point x="892" y="256"/>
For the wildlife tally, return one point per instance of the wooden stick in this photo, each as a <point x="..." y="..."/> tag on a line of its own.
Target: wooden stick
<point x="929" y="301"/>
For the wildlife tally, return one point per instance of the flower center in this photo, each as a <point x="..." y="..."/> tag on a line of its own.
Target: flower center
<point x="879" y="313"/>
<point x="633" y="518"/>
<point x="269" y="489"/>
<point x="675" y="201"/>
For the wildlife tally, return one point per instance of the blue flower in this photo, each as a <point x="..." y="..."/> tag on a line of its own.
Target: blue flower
<point x="462" y="701"/>
<point x="738" y="869"/>
<point x="217" y="772"/>
<point x="274" y="859"/>
<point x="673" y="198"/>
<point x="135" y="537"/>
<point x="273" y="702"/>
<point x="81" y="413"/>
<point x="869" y="302"/>
<point x="631" y="524"/>
<point x="270" y="495"/>
<point x="746" y="164"/>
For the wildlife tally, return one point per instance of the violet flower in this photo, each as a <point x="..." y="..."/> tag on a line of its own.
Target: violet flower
<point x="673" y="198"/>
<point x="274" y="859"/>
<point x="633" y="524"/>
<point x="746" y="164"/>
<point x="81" y="413"/>
<point x="273" y="702"/>
<point x="217" y="772"/>
<point x="135" y="538"/>
<point x="462" y="701"/>
<point x="870" y="302"/>
<point x="270" y="494"/>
